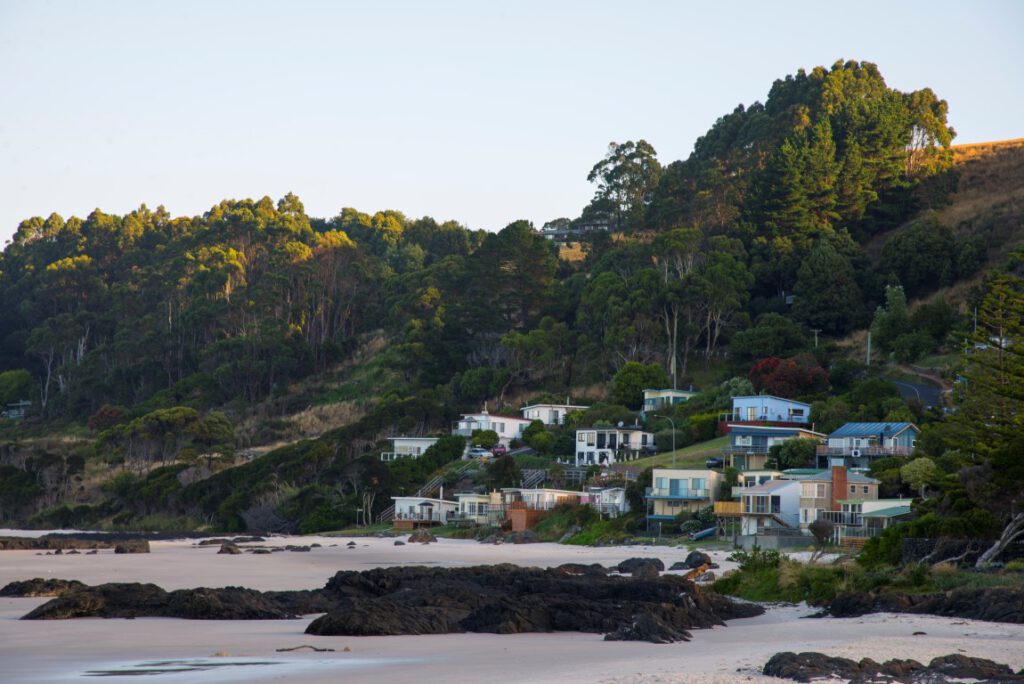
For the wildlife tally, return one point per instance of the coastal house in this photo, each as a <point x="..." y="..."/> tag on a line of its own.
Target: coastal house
<point x="419" y="511"/>
<point x="18" y="410"/>
<point x="749" y="444"/>
<point x="675" y="490"/>
<point x="658" y="399"/>
<point x="825" y="490"/>
<point x="865" y="518"/>
<point x="407" y="447"/>
<point x="506" y="427"/>
<point x="610" y="502"/>
<point x="526" y="507"/>
<point x="482" y="509"/>
<point x="774" y="505"/>
<point x="765" y="409"/>
<point x="856" y="444"/>
<point x="550" y="414"/>
<point x="605" y="446"/>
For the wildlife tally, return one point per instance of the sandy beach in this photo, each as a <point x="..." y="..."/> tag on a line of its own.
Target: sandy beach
<point x="246" y="651"/>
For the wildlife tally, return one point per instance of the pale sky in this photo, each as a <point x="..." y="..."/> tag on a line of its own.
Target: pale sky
<point x="483" y="112"/>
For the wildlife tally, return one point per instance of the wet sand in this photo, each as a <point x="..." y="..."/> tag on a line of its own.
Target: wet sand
<point x="246" y="651"/>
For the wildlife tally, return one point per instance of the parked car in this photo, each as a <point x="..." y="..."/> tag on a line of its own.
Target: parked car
<point x="479" y="452"/>
<point x="714" y="462"/>
<point x="648" y="450"/>
<point x="499" y="450"/>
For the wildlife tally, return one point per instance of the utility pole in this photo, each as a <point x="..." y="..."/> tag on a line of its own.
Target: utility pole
<point x="869" y="348"/>
<point x="816" y="331"/>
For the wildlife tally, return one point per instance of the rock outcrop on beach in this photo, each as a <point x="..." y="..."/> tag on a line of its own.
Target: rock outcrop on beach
<point x="807" y="667"/>
<point x="631" y="565"/>
<point x="507" y="599"/>
<point x="40" y="586"/>
<point x="994" y="604"/>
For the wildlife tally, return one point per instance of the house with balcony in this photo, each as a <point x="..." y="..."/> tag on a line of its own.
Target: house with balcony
<point x="749" y="444"/>
<point x="605" y="446"/>
<point x="770" y="507"/>
<point x="825" y="490"/>
<point x="407" y="447"/>
<point x="550" y="414"/>
<point x="658" y="399"/>
<point x="855" y="445"/>
<point x="610" y="502"/>
<point x="674" y="490"/>
<point x="506" y="427"/>
<point x="482" y="509"/>
<point x="765" y="409"/>
<point x="865" y="518"/>
<point x="420" y="511"/>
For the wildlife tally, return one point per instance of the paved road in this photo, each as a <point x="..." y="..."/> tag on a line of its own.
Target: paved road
<point x="929" y="395"/>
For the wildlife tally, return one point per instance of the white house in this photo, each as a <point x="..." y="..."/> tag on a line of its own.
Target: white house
<point x="483" y="509"/>
<point x="424" y="509"/>
<point x="765" y="408"/>
<point x="774" y="504"/>
<point x="609" y="501"/>
<point x="543" y="499"/>
<point x="407" y="447"/>
<point x="675" y="490"/>
<point x="607" y="445"/>
<point x="657" y="399"/>
<point x="549" y="414"/>
<point x="507" y="427"/>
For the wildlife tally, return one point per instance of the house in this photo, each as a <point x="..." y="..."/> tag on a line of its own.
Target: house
<point x="483" y="509"/>
<point x="657" y="399"/>
<point x="419" y="511"/>
<point x="855" y="444"/>
<point x="675" y="490"/>
<point x="609" y="501"/>
<point x="770" y="506"/>
<point x="526" y="507"/>
<point x="825" y="490"/>
<point x="17" y="410"/>
<point x="507" y="427"/>
<point x="407" y="447"/>
<point x="765" y="409"/>
<point x="749" y="444"/>
<point x="605" y="446"/>
<point x="550" y="414"/>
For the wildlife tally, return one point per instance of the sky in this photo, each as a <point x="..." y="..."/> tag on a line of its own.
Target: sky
<point x="483" y="112"/>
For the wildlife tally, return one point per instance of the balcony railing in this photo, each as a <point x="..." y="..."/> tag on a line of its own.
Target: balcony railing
<point x="392" y="455"/>
<point x="876" y="450"/>
<point x="841" y="517"/>
<point x="668" y="493"/>
<point x="728" y="508"/>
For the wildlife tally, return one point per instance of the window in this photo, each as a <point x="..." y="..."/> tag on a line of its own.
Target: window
<point x="751" y="413"/>
<point x="865" y="489"/>
<point x="661" y="483"/>
<point x="743" y="440"/>
<point x="796" y="413"/>
<point x="591" y="436"/>
<point x="499" y="428"/>
<point x="481" y="509"/>
<point x="581" y="437"/>
<point x="820" y="492"/>
<point x="803" y="513"/>
<point x="853" y="489"/>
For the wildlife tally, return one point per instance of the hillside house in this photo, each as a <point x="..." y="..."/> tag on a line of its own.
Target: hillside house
<point x="418" y="511"/>
<point x="675" y="490"/>
<point x="658" y="399"/>
<point x="606" y="446"/>
<point x="482" y="509"/>
<point x="765" y="409"/>
<point x="749" y="444"/>
<point x="610" y="502"/>
<point x="825" y="490"/>
<point x="407" y="447"/>
<point x="549" y="414"/>
<point x="507" y="427"/>
<point x="774" y="505"/>
<point x="856" y="444"/>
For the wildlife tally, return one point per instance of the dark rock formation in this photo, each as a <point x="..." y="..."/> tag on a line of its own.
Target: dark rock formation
<point x="524" y="537"/>
<point x="630" y="564"/>
<point x="229" y="549"/>
<point x="646" y="627"/>
<point x="297" y="549"/>
<point x="132" y="546"/>
<point x="806" y="667"/>
<point x="40" y="587"/>
<point x="422" y="536"/>
<point x="697" y="559"/>
<point x="592" y="570"/>
<point x="507" y="599"/>
<point x="399" y="543"/>
<point x="214" y="541"/>
<point x="995" y="604"/>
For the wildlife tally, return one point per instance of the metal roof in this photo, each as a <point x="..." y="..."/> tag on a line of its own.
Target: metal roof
<point x="771" y="396"/>
<point x="767" y="487"/>
<point x="872" y="429"/>
<point x="773" y="429"/>
<point x="894" y="512"/>
<point x="825" y="476"/>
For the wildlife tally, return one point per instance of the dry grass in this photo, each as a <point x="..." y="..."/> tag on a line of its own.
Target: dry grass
<point x="316" y="420"/>
<point x="991" y="181"/>
<point x="572" y="251"/>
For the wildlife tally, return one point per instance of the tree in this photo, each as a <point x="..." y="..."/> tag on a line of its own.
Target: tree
<point x="633" y="378"/>
<point x="920" y="473"/>
<point x="484" y="438"/>
<point x="826" y="292"/>
<point x="626" y="179"/>
<point x="792" y="453"/>
<point x="503" y="472"/>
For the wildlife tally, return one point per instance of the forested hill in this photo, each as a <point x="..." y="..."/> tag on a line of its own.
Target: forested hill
<point x="151" y="338"/>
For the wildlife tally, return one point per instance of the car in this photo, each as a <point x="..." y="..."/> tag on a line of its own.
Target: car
<point x="648" y="450"/>
<point x="479" y="452"/>
<point x="715" y="462"/>
<point x="499" y="450"/>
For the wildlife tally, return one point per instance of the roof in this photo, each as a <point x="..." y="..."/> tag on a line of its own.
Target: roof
<point x="825" y="476"/>
<point x="669" y="389"/>
<point x="771" y="396"/>
<point x="769" y="486"/>
<point x="568" y="406"/>
<point x="482" y="416"/>
<point x="872" y="429"/>
<point x="413" y="437"/>
<point x="423" y="500"/>
<point x="624" y="428"/>
<point x="771" y="429"/>
<point x="894" y="512"/>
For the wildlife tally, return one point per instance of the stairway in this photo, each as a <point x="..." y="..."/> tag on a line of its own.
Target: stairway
<point x="533" y="477"/>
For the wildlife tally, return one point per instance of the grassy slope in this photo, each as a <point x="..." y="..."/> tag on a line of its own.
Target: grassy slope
<point x="692" y="456"/>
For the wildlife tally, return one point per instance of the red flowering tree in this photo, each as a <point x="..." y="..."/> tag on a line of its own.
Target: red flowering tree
<point x="795" y="376"/>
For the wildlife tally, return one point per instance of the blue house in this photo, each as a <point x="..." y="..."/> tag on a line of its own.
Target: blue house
<point x="768" y="409"/>
<point x="855" y="444"/>
<point x="749" y="444"/>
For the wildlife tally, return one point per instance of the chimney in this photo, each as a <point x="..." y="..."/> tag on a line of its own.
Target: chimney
<point x="838" y="486"/>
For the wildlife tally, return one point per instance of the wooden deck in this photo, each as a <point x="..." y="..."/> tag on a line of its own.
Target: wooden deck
<point x="407" y="524"/>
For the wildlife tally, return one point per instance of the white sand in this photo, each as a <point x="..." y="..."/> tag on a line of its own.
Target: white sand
<point x="55" y="651"/>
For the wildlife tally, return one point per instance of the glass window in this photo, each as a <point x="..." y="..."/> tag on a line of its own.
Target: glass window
<point x="865" y="489"/>
<point x="853" y="489"/>
<point x="821" y="492"/>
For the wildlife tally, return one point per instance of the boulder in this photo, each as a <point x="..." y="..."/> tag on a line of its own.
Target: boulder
<point x="995" y="604"/>
<point x="579" y="569"/>
<point x="646" y="627"/>
<point x="807" y="667"/>
<point x="399" y="543"/>
<point x="523" y="537"/>
<point x="229" y="549"/>
<point x="132" y="546"/>
<point x="697" y="559"/>
<point x="214" y="541"/>
<point x="706" y="577"/>
<point x="260" y="552"/>
<point x="297" y="549"/>
<point x="629" y="565"/>
<point x="422" y="536"/>
<point x="40" y="587"/>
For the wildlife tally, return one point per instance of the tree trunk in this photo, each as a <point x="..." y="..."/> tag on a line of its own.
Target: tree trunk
<point x="1013" y="530"/>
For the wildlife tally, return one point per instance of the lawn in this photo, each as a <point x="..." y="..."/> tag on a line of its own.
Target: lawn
<point x="692" y="456"/>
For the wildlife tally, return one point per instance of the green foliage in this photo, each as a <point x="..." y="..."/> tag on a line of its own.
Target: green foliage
<point x="826" y="291"/>
<point x="502" y="472"/>
<point x="484" y="438"/>
<point x="925" y="256"/>
<point x="792" y="453"/>
<point x="772" y="335"/>
<point x="16" y="385"/>
<point x="629" y="382"/>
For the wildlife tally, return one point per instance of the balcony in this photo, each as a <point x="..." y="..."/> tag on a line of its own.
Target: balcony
<point x="394" y="455"/>
<point x="671" y="493"/>
<point x="728" y="508"/>
<point x="842" y="518"/>
<point x="875" y="450"/>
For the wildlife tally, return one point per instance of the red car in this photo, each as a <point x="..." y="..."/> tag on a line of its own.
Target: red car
<point x="499" y="450"/>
